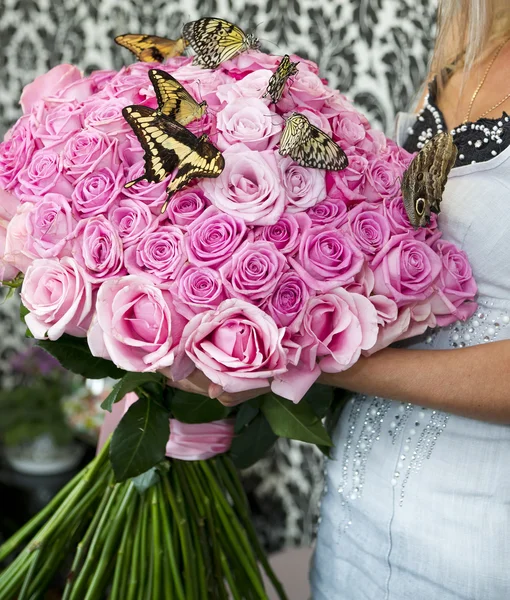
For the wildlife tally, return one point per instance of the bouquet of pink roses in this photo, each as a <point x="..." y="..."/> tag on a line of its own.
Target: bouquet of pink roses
<point x="265" y="275"/>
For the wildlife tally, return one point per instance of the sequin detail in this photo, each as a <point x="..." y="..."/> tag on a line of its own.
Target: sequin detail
<point x="483" y="327"/>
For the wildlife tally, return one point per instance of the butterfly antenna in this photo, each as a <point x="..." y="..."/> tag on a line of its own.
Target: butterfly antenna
<point x="131" y="183"/>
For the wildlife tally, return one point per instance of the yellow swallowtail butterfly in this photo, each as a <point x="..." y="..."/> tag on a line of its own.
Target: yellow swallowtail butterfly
<point x="151" y="48"/>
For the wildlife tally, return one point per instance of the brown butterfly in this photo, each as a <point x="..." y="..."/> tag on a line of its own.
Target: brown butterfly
<point x="424" y="180"/>
<point x="151" y="48"/>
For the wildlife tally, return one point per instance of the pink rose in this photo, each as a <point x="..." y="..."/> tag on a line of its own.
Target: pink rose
<point x="197" y="289"/>
<point x="16" y="152"/>
<point x="8" y="207"/>
<point x="136" y="325"/>
<point x="159" y="255"/>
<point x="79" y="90"/>
<point x="87" y="151"/>
<point x="243" y="64"/>
<point x="405" y="270"/>
<point x="213" y="238"/>
<point x="249" y="186"/>
<point x="254" y="270"/>
<point x="201" y="83"/>
<point x="106" y="116"/>
<point x="50" y="224"/>
<point x="44" y="174"/>
<point x="59" y="298"/>
<point x="248" y="120"/>
<point x="454" y="299"/>
<point x="58" y="121"/>
<point x="349" y="184"/>
<point x="129" y="86"/>
<point x="349" y="128"/>
<point x="303" y="187"/>
<point x="237" y="346"/>
<point x="286" y="233"/>
<point x="396" y="216"/>
<point x="132" y="220"/>
<point x="287" y="302"/>
<point x="328" y="212"/>
<point x="16" y="239"/>
<point x="94" y="193"/>
<point x="48" y="84"/>
<point x="327" y="258"/>
<point x="369" y="227"/>
<point x="100" y="78"/>
<point x="315" y="117"/>
<point x="186" y="206"/>
<point x="383" y="180"/>
<point x="306" y="90"/>
<point x="151" y="194"/>
<point x="97" y="247"/>
<point x="252" y="85"/>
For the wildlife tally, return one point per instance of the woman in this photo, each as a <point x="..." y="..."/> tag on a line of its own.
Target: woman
<point x="417" y="502"/>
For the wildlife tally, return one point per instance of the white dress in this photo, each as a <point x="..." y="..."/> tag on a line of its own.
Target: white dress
<point x="417" y="501"/>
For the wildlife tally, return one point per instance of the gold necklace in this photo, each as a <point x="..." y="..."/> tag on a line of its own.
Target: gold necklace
<point x="479" y="87"/>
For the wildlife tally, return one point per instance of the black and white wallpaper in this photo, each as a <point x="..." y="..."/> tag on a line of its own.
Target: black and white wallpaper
<point x="374" y="51"/>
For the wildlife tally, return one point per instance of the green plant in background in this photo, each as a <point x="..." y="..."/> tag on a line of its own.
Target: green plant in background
<point x="32" y="407"/>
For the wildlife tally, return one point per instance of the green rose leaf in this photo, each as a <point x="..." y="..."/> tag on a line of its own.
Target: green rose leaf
<point x="252" y="443"/>
<point x="294" y="421"/>
<point x="319" y="397"/>
<point x="74" y="354"/>
<point x="139" y="440"/>
<point x="247" y="412"/>
<point x="194" y="408"/>
<point x="146" y="480"/>
<point x="128" y="384"/>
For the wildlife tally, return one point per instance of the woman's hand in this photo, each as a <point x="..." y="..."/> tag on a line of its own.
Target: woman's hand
<point x="198" y="383"/>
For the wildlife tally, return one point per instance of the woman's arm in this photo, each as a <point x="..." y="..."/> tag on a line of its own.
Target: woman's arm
<point x="472" y="382"/>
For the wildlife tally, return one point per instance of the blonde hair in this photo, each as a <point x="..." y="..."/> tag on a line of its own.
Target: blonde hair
<point x="467" y="30"/>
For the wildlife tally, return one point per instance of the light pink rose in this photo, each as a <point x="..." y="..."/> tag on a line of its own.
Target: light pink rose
<point x="8" y="207"/>
<point x="100" y="78"/>
<point x="363" y="283"/>
<point x="396" y="155"/>
<point x="336" y="103"/>
<point x="305" y="90"/>
<point x="59" y="298"/>
<point x="197" y="289"/>
<point x="186" y="206"/>
<point x="106" y="116"/>
<point x="44" y="174"/>
<point x="395" y="214"/>
<point x="16" y="152"/>
<point x="287" y="302"/>
<point x="79" y="90"/>
<point x="286" y="233"/>
<point x="50" y="224"/>
<point x="304" y="187"/>
<point x="252" y="85"/>
<point x="248" y="120"/>
<point x="405" y="270"/>
<point x="383" y="180"/>
<point x="237" y="346"/>
<point x="253" y="271"/>
<point x="243" y="64"/>
<point x="16" y="239"/>
<point x="57" y="122"/>
<point x="213" y="237"/>
<point x="131" y="85"/>
<point x="349" y="184"/>
<point x="136" y="326"/>
<point x="349" y="128"/>
<point x="456" y="287"/>
<point x="95" y="192"/>
<point x="249" y="186"/>
<point x="87" y="151"/>
<point x="159" y="255"/>
<point x="132" y="220"/>
<point x="369" y="227"/>
<point x="97" y="247"/>
<point x="199" y="441"/>
<point x="201" y="83"/>
<point x="327" y="258"/>
<point x="316" y="118"/>
<point x="151" y="194"/>
<point x="48" y="84"/>
<point x="332" y="212"/>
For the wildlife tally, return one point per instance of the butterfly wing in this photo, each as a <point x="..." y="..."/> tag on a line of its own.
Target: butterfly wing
<point x="151" y="48"/>
<point x="174" y="100"/>
<point x="215" y="41"/>
<point x="279" y="78"/>
<point x="445" y="154"/>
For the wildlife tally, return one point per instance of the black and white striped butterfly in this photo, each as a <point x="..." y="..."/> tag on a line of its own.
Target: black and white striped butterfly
<point x="279" y="78"/>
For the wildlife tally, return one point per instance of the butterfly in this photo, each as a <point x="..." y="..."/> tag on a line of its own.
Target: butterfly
<point x="215" y="41"/>
<point x="168" y="147"/>
<point x="151" y="48"/>
<point x="174" y="100"/>
<point x="279" y="78"/>
<point x="424" y="180"/>
<point x="309" y="146"/>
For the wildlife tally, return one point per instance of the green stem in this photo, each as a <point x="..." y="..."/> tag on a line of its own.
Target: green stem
<point x="36" y="561"/>
<point x="229" y="577"/>
<point x="156" y="541"/>
<point x="137" y="552"/>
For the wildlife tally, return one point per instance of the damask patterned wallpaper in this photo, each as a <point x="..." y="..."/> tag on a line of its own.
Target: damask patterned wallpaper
<point x="374" y="51"/>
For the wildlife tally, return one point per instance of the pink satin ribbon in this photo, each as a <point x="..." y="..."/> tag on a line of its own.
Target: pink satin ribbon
<point x="188" y="441"/>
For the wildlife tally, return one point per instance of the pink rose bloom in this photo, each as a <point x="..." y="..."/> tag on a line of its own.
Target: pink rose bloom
<point x="131" y="88"/>
<point x="315" y="117"/>
<point x="252" y="85"/>
<point x="363" y="282"/>
<point x="16" y="152"/>
<point x="159" y="255"/>
<point x="306" y="90"/>
<point x="94" y="193"/>
<point x="249" y="186"/>
<point x="199" y="441"/>
<point x="48" y="84"/>
<point x="243" y="64"/>
<point x="248" y="120"/>
<point x="286" y="233"/>
<point x="87" y="151"/>
<point x="405" y="270"/>
<point x="456" y="286"/>
<point x="349" y="184"/>
<point x="336" y="327"/>
<point x="136" y="326"/>
<point x="330" y="212"/>
<point x="59" y="298"/>
<point x="369" y="227"/>
<point x="197" y="289"/>
<point x="44" y="174"/>
<point x="396" y="216"/>
<point x="336" y="103"/>
<point x="395" y="154"/>
<point x="132" y="220"/>
<point x="186" y="206"/>
<point x="304" y="187"/>
<point x="327" y="258"/>
<point x="97" y="247"/>
<point x="152" y="195"/>
<point x="349" y="128"/>
<point x="79" y="90"/>
<point x="8" y="207"/>
<point x="130" y="152"/>
<point x="106" y="116"/>
<point x="213" y="238"/>
<point x="201" y="83"/>
<point x="58" y="121"/>
<point x="100" y="78"/>
<point x="383" y="180"/>
<point x="254" y="270"/>
<point x="50" y="224"/>
<point x="237" y="346"/>
<point x="287" y="302"/>
<point x="16" y="239"/>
